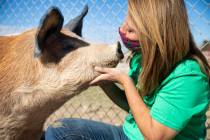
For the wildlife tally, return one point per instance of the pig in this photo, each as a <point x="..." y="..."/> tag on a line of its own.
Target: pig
<point x="43" y="68"/>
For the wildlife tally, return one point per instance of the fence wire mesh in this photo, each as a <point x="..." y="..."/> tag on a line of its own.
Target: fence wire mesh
<point x="100" y="25"/>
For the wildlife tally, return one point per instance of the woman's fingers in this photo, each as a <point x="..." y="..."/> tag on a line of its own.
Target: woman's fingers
<point x="102" y="70"/>
<point x="106" y="74"/>
<point x="99" y="78"/>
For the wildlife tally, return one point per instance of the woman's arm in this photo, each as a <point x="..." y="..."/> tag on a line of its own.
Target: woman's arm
<point x="150" y="128"/>
<point x="115" y="94"/>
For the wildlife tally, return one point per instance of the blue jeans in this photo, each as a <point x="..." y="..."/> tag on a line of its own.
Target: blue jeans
<point x="81" y="129"/>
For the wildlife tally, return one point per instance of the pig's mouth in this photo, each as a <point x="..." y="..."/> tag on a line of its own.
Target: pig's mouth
<point x="110" y="64"/>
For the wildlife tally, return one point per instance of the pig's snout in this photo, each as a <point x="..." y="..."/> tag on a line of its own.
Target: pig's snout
<point x="120" y="54"/>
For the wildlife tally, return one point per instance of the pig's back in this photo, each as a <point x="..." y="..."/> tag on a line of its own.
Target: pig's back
<point x="5" y="42"/>
<point x="15" y="58"/>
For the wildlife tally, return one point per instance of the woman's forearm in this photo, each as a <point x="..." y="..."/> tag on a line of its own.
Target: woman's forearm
<point x="138" y="108"/>
<point x="115" y="94"/>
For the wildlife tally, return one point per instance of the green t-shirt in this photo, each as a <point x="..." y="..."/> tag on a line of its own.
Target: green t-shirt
<point x="180" y="102"/>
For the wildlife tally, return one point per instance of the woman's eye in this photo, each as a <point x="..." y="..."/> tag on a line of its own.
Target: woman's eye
<point x="131" y="31"/>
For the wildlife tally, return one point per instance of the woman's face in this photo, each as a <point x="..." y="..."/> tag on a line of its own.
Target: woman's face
<point x="129" y="29"/>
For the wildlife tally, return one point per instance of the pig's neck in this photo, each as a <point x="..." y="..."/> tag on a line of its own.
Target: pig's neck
<point x="37" y="102"/>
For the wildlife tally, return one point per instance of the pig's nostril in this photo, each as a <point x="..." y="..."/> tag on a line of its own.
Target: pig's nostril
<point x="119" y="51"/>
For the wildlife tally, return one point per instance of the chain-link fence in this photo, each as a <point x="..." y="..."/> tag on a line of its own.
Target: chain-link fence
<point x="90" y="104"/>
<point x="100" y="25"/>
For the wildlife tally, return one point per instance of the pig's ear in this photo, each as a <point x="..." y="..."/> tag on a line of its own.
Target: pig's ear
<point x="75" y="25"/>
<point x="50" y="24"/>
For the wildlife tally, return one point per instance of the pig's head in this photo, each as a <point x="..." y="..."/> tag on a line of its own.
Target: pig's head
<point x="65" y="56"/>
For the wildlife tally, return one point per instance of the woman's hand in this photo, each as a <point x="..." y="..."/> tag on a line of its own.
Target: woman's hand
<point x="109" y="74"/>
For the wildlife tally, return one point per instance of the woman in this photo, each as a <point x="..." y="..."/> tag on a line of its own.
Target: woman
<point x="167" y="90"/>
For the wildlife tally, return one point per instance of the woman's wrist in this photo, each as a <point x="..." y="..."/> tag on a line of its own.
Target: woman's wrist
<point x="125" y="80"/>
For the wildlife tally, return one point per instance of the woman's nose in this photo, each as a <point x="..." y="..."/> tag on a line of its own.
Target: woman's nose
<point x="123" y="28"/>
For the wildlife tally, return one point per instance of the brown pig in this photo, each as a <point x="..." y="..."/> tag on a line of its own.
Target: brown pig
<point x="42" y="68"/>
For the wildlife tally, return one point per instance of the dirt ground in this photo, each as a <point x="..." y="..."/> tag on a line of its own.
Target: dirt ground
<point x="91" y="104"/>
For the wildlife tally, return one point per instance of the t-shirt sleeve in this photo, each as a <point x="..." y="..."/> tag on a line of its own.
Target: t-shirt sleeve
<point x="179" y="99"/>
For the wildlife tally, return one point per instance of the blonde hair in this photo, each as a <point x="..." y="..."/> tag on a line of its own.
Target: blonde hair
<point x="163" y="27"/>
